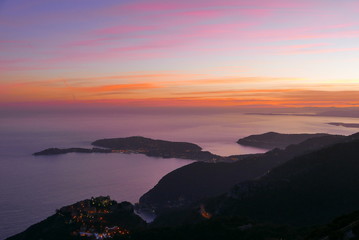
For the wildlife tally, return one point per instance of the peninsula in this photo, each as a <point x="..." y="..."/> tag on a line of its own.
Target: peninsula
<point x="272" y="140"/>
<point x="141" y="145"/>
<point x="55" y="151"/>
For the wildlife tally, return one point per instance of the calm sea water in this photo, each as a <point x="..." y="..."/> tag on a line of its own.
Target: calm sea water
<point x="32" y="188"/>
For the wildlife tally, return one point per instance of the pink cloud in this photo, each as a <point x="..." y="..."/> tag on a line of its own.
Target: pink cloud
<point x="299" y="47"/>
<point x="201" y="13"/>
<point x="295" y="34"/>
<point x="123" y="29"/>
<point x="162" y="5"/>
<point x="151" y="6"/>
<point x="183" y="24"/>
<point x="191" y="26"/>
<point x="168" y="36"/>
<point x="18" y="64"/>
<point x="87" y="42"/>
<point x="10" y="45"/>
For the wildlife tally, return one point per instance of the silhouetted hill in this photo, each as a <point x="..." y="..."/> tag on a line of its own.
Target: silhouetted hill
<point x="138" y="143"/>
<point x="196" y="181"/>
<point x="226" y="228"/>
<point x="201" y="180"/>
<point x="272" y="140"/>
<point x="158" y="148"/>
<point x="343" y="227"/>
<point x="310" y="189"/>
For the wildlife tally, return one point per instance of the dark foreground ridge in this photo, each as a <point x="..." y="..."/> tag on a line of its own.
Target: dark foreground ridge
<point x="141" y="145"/>
<point x="196" y="181"/>
<point x="272" y="140"/>
<point x="307" y="190"/>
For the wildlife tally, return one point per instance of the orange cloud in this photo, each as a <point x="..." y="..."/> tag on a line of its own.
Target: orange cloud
<point x="254" y="98"/>
<point x="163" y="77"/>
<point x="180" y="90"/>
<point x="231" y="80"/>
<point x="117" y="87"/>
<point x="31" y="91"/>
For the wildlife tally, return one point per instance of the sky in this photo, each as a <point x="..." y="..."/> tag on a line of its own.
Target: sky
<point x="255" y="53"/>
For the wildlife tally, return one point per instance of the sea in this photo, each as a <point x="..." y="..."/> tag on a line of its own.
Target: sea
<point x="32" y="188"/>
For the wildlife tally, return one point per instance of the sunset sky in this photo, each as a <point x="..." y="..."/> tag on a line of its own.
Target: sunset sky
<point x="180" y="53"/>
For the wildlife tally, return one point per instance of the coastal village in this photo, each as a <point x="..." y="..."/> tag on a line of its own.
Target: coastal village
<point x="90" y="218"/>
<point x="187" y="154"/>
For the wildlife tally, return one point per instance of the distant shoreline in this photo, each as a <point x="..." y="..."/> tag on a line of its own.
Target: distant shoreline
<point x="346" y="114"/>
<point x="347" y="125"/>
<point x="285" y="114"/>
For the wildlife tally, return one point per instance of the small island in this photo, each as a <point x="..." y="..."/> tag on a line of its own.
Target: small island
<point x="272" y="140"/>
<point x="347" y="125"/>
<point x="141" y="145"/>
